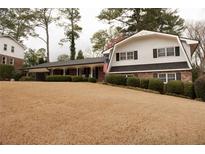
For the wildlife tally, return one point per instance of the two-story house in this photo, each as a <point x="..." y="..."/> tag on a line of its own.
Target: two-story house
<point x="11" y="51"/>
<point x="146" y="54"/>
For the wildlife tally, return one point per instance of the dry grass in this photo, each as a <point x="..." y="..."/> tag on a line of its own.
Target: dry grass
<point x="85" y="113"/>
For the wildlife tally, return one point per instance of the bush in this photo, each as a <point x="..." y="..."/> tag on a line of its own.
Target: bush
<point x="133" y="81"/>
<point x="156" y="85"/>
<point x="93" y="80"/>
<point x="6" y="72"/>
<point x="17" y="75"/>
<point x="58" y="78"/>
<point x="117" y="79"/>
<point x="144" y="83"/>
<point x="199" y="87"/>
<point x="85" y="79"/>
<point x="176" y="87"/>
<point x="26" y="78"/>
<point x="77" y="79"/>
<point x="189" y="90"/>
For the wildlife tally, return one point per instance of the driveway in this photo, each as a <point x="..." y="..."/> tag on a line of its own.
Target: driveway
<point x="88" y="113"/>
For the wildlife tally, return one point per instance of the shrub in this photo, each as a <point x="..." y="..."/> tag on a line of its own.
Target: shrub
<point x="77" y="78"/>
<point x="133" y="81"/>
<point x="6" y="72"/>
<point x="17" y="75"/>
<point x="189" y="90"/>
<point x="58" y="78"/>
<point x="199" y="87"/>
<point x="26" y="78"/>
<point x="144" y="83"/>
<point x="93" y="80"/>
<point x="156" y="85"/>
<point x="176" y="87"/>
<point x="117" y="79"/>
<point x="85" y="79"/>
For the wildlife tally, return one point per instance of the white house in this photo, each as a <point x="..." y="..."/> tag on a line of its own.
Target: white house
<point x="148" y="54"/>
<point x="11" y="51"/>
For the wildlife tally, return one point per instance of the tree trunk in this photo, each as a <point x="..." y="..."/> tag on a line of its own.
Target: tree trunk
<point x="72" y="43"/>
<point x="47" y="43"/>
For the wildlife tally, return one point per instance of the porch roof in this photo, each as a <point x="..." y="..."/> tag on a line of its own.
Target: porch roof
<point x="85" y="61"/>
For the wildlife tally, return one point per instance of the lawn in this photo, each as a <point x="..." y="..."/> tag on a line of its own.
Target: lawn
<point x="86" y="113"/>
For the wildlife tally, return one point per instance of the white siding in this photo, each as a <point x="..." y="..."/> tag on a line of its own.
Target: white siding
<point x="145" y="47"/>
<point x="18" y="50"/>
<point x="187" y="49"/>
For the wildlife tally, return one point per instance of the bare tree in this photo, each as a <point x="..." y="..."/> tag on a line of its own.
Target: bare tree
<point x="196" y="30"/>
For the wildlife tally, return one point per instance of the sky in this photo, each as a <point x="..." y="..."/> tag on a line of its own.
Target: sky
<point x="90" y="25"/>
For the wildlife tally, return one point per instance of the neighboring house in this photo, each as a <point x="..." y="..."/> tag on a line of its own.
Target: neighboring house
<point x="146" y="54"/>
<point x="11" y="51"/>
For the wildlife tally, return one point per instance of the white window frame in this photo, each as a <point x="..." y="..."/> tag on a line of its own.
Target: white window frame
<point x="120" y="56"/>
<point x="164" y="52"/>
<point x="166" y="74"/>
<point x="131" y="57"/>
<point x="158" y="74"/>
<point x="173" y="51"/>
<point x="11" y="61"/>
<point x="3" y="60"/>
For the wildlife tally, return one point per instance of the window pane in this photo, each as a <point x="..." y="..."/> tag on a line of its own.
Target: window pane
<point x="170" y="51"/>
<point x="162" y="77"/>
<point x="123" y="56"/>
<point x="130" y="55"/>
<point x="161" y="52"/>
<point x="171" y="76"/>
<point x="12" y="49"/>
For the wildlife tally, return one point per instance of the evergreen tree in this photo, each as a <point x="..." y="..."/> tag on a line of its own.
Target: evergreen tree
<point x="80" y="55"/>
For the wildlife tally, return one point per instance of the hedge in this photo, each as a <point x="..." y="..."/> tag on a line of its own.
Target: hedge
<point x="26" y="78"/>
<point x="189" y="90"/>
<point x="133" y="81"/>
<point x="176" y="87"/>
<point x="6" y="72"/>
<point x="58" y="78"/>
<point x="199" y="87"/>
<point x="118" y="79"/>
<point x="77" y="79"/>
<point x="156" y="85"/>
<point x="93" y="80"/>
<point x="144" y="83"/>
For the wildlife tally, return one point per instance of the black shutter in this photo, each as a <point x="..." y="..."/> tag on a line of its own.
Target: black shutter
<point x="117" y="56"/>
<point x="178" y="76"/>
<point x="135" y="54"/>
<point x="154" y="75"/>
<point x="177" y="51"/>
<point x="154" y="53"/>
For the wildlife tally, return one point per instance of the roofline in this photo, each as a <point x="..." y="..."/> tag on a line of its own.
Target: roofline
<point x="24" y="47"/>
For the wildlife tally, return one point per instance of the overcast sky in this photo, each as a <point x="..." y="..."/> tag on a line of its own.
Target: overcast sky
<point x="90" y="25"/>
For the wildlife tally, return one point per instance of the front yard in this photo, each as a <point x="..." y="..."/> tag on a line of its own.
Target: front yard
<point x="86" y="113"/>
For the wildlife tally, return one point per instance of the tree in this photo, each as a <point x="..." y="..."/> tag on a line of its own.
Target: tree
<point x="100" y="39"/>
<point x="134" y="20"/>
<point x="44" y="17"/>
<point x="63" y="57"/>
<point x="80" y="55"/>
<point x="71" y="18"/>
<point x="34" y="57"/>
<point x="196" y="30"/>
<point x="17" y="22"/>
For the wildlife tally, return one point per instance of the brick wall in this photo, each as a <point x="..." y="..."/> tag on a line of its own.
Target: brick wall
<point x="18" y="63"/>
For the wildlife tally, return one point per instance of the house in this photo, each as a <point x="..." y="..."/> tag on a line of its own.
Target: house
<point x="146" y="54"/>
<point x="11" y="52"/>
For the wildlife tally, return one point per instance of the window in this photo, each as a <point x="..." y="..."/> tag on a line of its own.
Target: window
<point x="161" y="52"/>
<point x="170" y="51"/>
<point x="3" y="60"/>
<point x="5" y="47"/>
<point x="12" y="48"/>
<point x="12" y="61"/>
<point x="123" y="56"/>
<point x="171" y="76"/>
<point x="162" y="77"/>
<point x="130" y="55"/>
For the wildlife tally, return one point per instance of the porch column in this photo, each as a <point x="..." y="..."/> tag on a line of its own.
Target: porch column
<point x="64" y="69"/>
<point x="91" y="71"/>
<point x="77" y="71"/>
<point x="51" y="71"/>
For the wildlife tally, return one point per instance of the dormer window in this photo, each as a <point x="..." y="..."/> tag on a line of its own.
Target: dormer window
<point x="12" y="48"/>
<point x="5" y="47"/>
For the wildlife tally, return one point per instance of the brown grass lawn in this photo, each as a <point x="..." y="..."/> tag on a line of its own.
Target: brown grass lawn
<point x="86" y="113"/>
